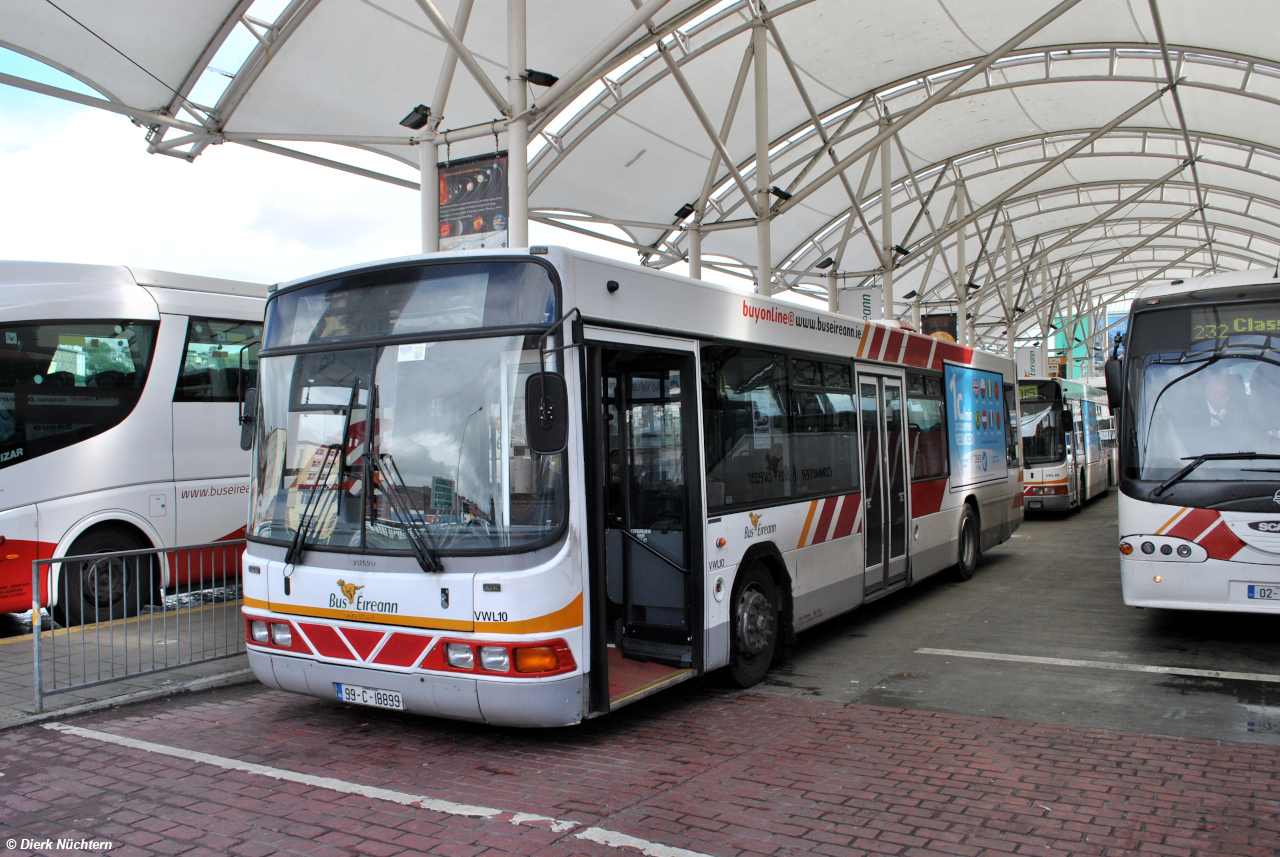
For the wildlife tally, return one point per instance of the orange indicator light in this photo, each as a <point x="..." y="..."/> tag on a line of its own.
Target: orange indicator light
<point x="1126" y="548"/>
<point x="720" y="543"/>
<point x="538" y="659"/>
<point x="1157" y="578"/>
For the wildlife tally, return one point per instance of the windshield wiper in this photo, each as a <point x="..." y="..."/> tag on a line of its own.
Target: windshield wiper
<point x="397" y="495"/>
<point x="1201" y="459"/>
<point x="332" y="454"/>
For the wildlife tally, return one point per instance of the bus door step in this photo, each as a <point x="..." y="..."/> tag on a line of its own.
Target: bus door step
<point x="652" y="650"/>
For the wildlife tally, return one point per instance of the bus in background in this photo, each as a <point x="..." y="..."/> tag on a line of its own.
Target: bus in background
<point x="439" y="526"/>
<point x="119" y="392"/>
<point x="1198" y="394"/>
<point x="1065" y="458"/>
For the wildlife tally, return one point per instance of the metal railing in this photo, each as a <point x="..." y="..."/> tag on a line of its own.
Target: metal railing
<point x="113" y="621"/>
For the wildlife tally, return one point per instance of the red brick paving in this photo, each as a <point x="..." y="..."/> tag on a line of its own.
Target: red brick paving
<point x="717" y="772"/>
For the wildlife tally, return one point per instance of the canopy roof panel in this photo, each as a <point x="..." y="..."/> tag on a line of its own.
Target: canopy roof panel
<point x="1035" y="149"/>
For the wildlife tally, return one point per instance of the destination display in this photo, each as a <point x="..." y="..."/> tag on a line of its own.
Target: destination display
<point x="1219" y="322"/>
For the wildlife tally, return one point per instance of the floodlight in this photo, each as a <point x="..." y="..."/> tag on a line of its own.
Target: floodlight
<point x="898" y="248"/>
<point x="417" y="118"/>
<point x="973" y="287"/>
<point x="780" y="193"/>
<point x="540" y="78"/>
<point x="825" y="263"/>
<point x="909" y="295"/>
<point x="685" y="211"/>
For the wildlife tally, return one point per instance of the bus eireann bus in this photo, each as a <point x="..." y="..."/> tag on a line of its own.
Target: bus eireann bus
<point x="1066" y="456"/>
<point x="439" y="526"/>
<point x="119" y="397"/>
<point x="1198" y="394"/>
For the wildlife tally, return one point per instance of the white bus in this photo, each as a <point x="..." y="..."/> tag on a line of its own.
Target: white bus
<point x="438" y="527"/>
<point x="1067" y="457"/>
<point x="118" y="424"/>
<point x="1198" y="394"/>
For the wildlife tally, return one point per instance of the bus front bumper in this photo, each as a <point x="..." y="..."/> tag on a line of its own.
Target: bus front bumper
<point x="543" y="702"/>
<point x="1046" y="502"/>
<point x="1216" y="585"/>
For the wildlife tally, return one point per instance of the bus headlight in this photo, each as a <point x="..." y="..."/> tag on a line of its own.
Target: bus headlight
<point x="258" y="631"/>
<point x="459" y="656"/>
<point x="495" y="658"/>
<point x="281" y="635"/>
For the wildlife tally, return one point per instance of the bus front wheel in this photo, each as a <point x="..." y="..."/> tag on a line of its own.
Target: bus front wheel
<point x="753" y="635"/>
<point x="970" y="543"/>
<point x="99" y="590"/>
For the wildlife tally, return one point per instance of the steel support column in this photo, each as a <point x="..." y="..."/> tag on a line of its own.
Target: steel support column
<point x="429" y="195"/>
<point x="695" y="252"/>
<point x="886" y="230"/>
<point x="517" y="129"/>
<point x="764" y="252"/>
<point x="961" y="284"/>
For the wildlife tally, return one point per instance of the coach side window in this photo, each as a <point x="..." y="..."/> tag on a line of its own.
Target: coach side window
<point x="745" y="427"/>
<point x="926" y="427"/>
<point x="220" y="360"/>
<point x="824" y="429"/>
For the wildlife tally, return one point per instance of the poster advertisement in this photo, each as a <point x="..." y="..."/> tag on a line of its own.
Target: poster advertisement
<point x="975" y="417"/>
<point x="473" y="203"/>
<point x="861" y="303"/>
<point x="940" y="326"/>
<point x="1030" y="360"/>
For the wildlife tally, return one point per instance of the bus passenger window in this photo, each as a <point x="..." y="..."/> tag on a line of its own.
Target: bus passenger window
<point x="745" y="425"/>
<point x="212" y="362"/>
<point x="926" y="427"/>
<point x="824" y="424"/>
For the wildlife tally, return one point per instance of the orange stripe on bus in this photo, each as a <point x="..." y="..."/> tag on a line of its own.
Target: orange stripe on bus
<point x="1171" y="520"/>
<point x="804" y="534"/>
<point x="353" y="616"/>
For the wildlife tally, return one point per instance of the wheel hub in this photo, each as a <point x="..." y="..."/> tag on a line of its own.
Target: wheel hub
<point x="755" y="621"/>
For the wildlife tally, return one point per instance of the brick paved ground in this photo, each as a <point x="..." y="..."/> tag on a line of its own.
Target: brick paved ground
<point x="703" y="769"/>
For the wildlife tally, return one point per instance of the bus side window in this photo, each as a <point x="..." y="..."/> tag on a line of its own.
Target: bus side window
<point x="824" y="429"/>
<point x="926" y="427"/>
<point x="212" y="361"/>
<point x="745" y="426"/>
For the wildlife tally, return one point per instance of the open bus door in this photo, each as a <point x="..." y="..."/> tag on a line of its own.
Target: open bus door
<point x="645" y="512"/>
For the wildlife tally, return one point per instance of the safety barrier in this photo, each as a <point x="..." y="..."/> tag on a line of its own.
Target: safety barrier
<point x="113" y="621"/>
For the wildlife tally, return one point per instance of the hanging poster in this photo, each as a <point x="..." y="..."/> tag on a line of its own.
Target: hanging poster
<point x="975" y="417"/>
<point x="473" y="202"/>
<point x="861" y="303"/>
<point x="940" y="326"/>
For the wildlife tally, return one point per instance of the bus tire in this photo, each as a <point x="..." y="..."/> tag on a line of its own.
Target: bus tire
<point x="970" y="543"/>
<point x="101" y="590"/>
<point x="754" y="625"/>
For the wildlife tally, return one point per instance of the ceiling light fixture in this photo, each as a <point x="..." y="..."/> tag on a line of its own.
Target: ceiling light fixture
<point x="417" y="118"/>
<point x="540" y="78"/>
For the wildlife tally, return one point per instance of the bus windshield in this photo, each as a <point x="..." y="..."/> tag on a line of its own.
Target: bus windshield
<point x="1043" y="438"/>
<point x="406" y="446"/>
<point x="1204" y="380"/>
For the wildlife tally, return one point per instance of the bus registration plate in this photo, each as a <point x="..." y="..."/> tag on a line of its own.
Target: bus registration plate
<point x="369" y="696"/>
<point x="1270" y="593"/>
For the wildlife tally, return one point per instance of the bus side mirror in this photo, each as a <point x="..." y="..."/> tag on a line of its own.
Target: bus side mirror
<point x="248" y="415"/>
<point x="546" y="413"/>
<point x="1112" y="372"/>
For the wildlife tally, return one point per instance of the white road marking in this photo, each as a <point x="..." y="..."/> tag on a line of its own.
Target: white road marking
<point x="1102" y="665"/>
<point x="591" y="834"/>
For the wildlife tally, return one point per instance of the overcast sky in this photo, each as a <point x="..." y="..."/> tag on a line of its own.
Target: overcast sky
<point x="79" y="186"/>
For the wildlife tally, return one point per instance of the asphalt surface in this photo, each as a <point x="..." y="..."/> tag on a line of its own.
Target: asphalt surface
<point x="858" y="742"/>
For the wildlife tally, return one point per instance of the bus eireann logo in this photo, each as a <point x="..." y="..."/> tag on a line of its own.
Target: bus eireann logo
<point x="1276" y="498"/>
<point x="348" y="589"/>
<point x="755" y="518"/>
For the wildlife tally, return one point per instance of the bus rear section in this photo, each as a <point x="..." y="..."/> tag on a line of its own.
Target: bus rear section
<point x="1068" y="460"/>
<point x="118" y="427"/>
<point x="417" y="542"/>
<point x="1198" y="392"/>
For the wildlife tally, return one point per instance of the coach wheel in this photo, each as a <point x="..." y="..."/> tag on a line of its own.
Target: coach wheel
<point x="754" y="630"/>
<point x="970" y="544"/>
<point x="99" y="590"/>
